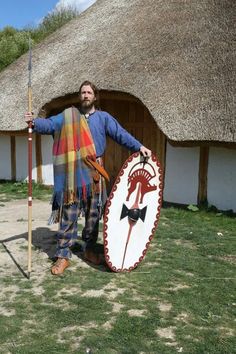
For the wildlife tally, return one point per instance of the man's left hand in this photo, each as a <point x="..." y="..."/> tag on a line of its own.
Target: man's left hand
<point x="145" y="152"/>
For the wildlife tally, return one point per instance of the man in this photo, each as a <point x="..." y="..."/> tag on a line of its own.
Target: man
<point x="79" y="144"/>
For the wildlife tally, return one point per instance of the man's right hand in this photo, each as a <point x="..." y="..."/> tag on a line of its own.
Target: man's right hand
<point x="28" y="117"/>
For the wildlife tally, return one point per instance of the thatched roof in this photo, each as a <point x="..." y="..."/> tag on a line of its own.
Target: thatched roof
<point x="177" y="57"/>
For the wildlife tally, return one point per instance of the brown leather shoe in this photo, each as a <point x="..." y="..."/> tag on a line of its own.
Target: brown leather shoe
<point x="92" y="257"/>
<point x="59" y="266"/>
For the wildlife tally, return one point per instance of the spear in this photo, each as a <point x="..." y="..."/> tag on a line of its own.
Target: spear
<point x="29" y="165"/>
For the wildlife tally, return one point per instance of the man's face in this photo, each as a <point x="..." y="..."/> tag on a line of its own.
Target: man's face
<point x="87" y="97"/>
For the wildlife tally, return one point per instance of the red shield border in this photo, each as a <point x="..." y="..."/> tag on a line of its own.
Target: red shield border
<point x="109" y="203"/>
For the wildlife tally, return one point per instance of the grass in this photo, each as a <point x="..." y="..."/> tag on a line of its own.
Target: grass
<point x="18" y="190"/>
<point x="181" y="298"/>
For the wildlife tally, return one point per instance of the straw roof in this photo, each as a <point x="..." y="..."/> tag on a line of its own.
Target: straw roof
<point x="177" y="57"/>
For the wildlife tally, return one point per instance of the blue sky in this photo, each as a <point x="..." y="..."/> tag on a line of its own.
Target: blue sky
<point x="22" y="13"/>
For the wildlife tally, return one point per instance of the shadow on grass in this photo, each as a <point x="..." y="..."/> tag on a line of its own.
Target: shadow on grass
<point x="14" y="261"/>
<point x="97" y="249"/>
<point x="45" y="240"/>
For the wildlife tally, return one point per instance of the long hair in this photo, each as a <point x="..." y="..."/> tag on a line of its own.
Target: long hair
<point x="94" y="88"/>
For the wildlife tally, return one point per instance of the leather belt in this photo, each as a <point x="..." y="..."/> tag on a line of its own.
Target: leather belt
<point x="98" y="167"/>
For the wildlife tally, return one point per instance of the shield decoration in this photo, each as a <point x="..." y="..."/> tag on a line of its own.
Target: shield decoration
<point x="132" y="212"/>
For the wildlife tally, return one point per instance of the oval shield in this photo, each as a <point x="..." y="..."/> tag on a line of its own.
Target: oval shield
<point x="132" y="212"/>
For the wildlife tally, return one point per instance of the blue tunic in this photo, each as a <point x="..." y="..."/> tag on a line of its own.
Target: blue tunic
<point x="101" y="124"/>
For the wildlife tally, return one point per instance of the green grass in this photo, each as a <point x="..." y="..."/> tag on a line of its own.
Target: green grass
<point x="181" y="298"/>
<point x="18" y="190"/>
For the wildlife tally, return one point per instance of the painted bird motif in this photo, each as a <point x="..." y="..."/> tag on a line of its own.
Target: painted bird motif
<point x="143" y="177"/>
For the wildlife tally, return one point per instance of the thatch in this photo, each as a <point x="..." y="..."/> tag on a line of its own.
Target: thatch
<point x="177" y="57"/>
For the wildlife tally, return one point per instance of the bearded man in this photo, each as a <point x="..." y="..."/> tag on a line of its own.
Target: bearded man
<point x="79" y="185"/>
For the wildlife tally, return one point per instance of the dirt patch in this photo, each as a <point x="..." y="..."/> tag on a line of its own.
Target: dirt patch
<point x="151" y="264"/>
<point x="167" y="333"/>
<point x="230" y="259"/>
<point x="14" y="257"/>
<point x="164" y="224"/>
<point x="164" y="306"/>
<point x="70" y="331"/>
<point x="61" y="335"/>
<point x="6" y="312"/>
<point x="14" y="237"/>
<point x="109" y="324"/>
<point x="110" y="291"/>
<point x="186" y="244"/>
<point x="9" y="293"/>
<point x="227" y="332"/>
<point x="14" y="241"/>
<point x="183" y="317"/>
<point x="116" y="307"/>
<point x="113" y="294"/>
<point x="137" y="313"/>
<point x="177" y="287"/>
<point x="182" y="272"/>
<point x="67" y="291"/>
<point x="172" y="344"/>
<point x="94" y="293"/>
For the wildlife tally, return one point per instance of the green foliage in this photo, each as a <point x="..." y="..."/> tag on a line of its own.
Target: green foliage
<point x="14" y="42"/>
<point x="192" y="207"/>
<point x="19" y="190"/>
<point x="55" y="20"/>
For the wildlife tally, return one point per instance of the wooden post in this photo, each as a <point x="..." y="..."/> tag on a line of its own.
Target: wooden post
<point x="202" y="176"/>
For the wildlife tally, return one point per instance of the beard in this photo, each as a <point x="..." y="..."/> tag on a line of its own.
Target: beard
<point x="87" y="104"/>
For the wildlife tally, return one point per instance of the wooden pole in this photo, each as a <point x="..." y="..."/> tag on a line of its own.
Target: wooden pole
<point x="29" y="169"/>
<point x="202" y="175"/>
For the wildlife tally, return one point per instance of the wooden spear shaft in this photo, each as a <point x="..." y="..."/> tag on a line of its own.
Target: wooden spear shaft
<point x="29" y="169"/>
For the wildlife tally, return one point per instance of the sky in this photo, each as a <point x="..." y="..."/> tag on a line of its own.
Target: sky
<point x="23" y="13"/>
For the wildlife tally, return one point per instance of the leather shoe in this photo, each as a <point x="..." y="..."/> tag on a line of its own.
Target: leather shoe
<point x="59" y="266"/>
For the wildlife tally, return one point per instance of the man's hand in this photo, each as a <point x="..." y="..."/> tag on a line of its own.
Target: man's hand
<point x="28" y="117"/>
<point x="145" y="152"/>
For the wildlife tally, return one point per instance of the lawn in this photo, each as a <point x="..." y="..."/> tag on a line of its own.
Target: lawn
<point x="19" y="190"/>
<point x="181" y="298"/>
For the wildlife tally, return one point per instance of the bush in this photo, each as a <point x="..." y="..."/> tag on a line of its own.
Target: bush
<point x="14" y="43"/>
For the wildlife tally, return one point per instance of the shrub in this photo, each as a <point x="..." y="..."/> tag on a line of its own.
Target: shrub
<point x="14" y="42"/>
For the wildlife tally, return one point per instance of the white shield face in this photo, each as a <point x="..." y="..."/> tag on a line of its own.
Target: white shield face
<point x="132" y="212"/>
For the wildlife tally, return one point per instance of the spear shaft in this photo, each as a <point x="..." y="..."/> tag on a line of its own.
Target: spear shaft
<point x="29" y="166"/>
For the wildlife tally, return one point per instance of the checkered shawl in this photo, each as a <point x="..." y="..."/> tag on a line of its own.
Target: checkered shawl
<point x="72" y="144"/>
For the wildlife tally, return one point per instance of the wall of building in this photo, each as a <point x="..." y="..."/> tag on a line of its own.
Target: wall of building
<point x="22" y="159"/>
<point x="221" y="188"/>
<point x="5" y="157"/>
<point x="47" y="169"/>
<point x="181" y="174"/>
